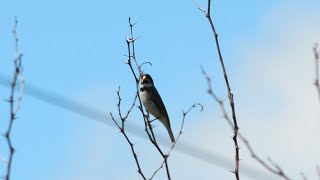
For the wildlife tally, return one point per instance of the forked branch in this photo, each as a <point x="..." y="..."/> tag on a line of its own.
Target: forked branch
<point x="148" y="127"/>
<point x="273" y="167"/>
<point x="122" y="130"/>
<point x="135" y="68"/>
<point x="184" y="114"/>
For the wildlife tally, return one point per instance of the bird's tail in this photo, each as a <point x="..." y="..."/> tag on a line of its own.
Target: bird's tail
<point x="171" y="135"/>
<point x="166" y="124"/>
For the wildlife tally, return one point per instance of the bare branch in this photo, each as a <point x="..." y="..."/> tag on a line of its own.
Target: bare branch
<point x="230" y="95"/>
<point x="199" y="7"/>
<point x="184" y="114"/>
<point x="316" y="58"/>
<point x="145" y="63"/>
<point x="215" y="97"/>
<point x="275" y="169"/>
<point x="122" y="130"/>
<point x="133" y="47"/>
<point x="14" y="105"/>
<point x="148" y="127"/>
<point x="18" y="66"/>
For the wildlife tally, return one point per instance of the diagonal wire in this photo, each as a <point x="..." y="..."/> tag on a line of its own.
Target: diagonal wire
<point x="185" y="148"/>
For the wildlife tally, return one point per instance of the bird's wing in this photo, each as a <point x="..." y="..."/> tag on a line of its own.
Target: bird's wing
<point x="156" y="99"/>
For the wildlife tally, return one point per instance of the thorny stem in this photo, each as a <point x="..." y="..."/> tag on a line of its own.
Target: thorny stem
<point x="14" y="107"/>
<point x="230" y="95"/>
<point x="276" y="168"/>
<point x="122" y="130"/>
<point x="148" y="126"/>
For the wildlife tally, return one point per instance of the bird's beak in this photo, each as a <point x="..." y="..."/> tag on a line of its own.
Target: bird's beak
<point x="144" y="79"/>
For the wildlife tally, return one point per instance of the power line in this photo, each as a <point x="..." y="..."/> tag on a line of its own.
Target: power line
<point x="68" y="104"/>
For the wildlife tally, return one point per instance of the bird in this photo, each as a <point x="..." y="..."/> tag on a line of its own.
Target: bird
<point x="153" y="103"/>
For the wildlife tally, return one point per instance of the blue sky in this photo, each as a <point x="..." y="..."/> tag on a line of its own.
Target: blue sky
<point x="77" y="49"/>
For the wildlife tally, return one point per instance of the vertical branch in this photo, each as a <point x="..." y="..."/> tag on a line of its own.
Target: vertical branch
<point x="273" y="168"/>
<point x="14" y="105"/>
<point x="148" y="126"/>
<point x="230" y="95"/>
<point x="316" y="60"/>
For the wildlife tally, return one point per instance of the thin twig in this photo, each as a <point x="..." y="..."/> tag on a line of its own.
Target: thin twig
<point x="129" y="110"/>
<point x="215" y="97"/>
<point x="122" y="130"/>
<point x="184" y="114"/>
<point x="133" y="47"/>
<point x="316" y="58"/>
<point x="230" y="95"/>
<point x="276" y="168"/>
<point x="14" y="105"/>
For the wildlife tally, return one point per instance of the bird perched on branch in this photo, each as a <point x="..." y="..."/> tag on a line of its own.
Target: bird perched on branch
<point x="153" y="103"/>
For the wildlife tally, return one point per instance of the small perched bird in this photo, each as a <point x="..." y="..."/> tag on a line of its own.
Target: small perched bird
<point x="153" y="103"/>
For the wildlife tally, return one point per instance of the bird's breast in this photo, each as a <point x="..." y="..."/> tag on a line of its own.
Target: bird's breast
<point x="148" y="104"/>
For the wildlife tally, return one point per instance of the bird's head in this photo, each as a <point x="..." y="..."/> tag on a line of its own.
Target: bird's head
<point x="146" y="80"/>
